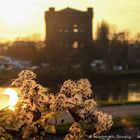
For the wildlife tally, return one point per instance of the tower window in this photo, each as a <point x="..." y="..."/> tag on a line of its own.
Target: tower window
<point x="75" y="45"/>
<point x="75" y="30"/>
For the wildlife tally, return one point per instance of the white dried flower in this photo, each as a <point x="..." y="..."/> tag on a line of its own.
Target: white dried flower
<point x="90" y="105"/>
<point x="104" y="121"/>
<point x="71" y="88"/>
<point x="74" y="97"/>
<point x="76" y="133"/>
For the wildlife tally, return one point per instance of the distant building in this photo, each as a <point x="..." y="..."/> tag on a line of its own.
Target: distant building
<point x="69" y="28"/>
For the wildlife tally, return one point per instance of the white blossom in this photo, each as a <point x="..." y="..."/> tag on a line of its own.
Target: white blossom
<point x="76" y="132"/>
<point x="37" y="108"/>
<point x="104" y="121"/>
<point x="90" y="105"/>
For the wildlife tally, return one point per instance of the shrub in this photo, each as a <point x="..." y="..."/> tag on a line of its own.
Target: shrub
<point x="37" y="110"/>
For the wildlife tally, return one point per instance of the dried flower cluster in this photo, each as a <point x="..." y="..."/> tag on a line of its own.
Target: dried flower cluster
<point x="27" y="121"/>
<point x="76" y="132"/>
<point x="81" y="105"/>
<point x="37" y="109"/>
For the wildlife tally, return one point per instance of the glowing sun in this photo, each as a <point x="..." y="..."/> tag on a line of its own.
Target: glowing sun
<point x="13" y="12"/>
<point x="13" y="97"/>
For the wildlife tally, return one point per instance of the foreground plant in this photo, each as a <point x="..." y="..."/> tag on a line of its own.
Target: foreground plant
<point x="37" y="110"/>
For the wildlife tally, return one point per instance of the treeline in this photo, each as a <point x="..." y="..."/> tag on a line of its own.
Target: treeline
<point x="112" y="46"/>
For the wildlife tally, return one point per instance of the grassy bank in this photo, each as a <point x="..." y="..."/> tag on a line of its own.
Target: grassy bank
<point x="126" y="121"/>
<point x="116" y="103"/>
<point x="130" y="121"/>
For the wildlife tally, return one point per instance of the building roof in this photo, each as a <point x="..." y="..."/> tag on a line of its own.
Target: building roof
<point x="69" y="10"/>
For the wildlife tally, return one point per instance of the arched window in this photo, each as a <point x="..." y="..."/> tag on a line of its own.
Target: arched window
<point x="75" y="28"/>
<point x="75" y="45"/>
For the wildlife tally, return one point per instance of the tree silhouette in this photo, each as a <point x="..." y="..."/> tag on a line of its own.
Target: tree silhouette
<point x="118" y="49"/>
<point x="103" y="38"/>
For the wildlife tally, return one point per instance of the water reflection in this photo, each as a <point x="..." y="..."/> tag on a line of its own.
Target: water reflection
<point x="132" y="96"/>
<point x="122" y="91"/>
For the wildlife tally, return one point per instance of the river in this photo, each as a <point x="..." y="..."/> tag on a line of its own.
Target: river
<point x="110" y="91"/>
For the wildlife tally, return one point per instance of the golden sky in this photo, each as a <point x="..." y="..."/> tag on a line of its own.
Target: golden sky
<point x="25" y="17"/>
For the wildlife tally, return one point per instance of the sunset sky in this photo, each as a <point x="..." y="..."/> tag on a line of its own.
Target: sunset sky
<point x="26" y="17"/>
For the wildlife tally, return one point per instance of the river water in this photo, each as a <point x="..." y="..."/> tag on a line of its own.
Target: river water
<point x="110" y="91"/>
<point x="120" y="91"/>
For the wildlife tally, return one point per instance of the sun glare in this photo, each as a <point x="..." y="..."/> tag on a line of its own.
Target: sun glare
<point x="13" y="12"/>
<point x="13" y="97"/>
<point x="15" y="18"/>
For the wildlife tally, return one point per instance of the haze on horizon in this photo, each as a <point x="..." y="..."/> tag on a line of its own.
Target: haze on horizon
<point x="20" y="18"/>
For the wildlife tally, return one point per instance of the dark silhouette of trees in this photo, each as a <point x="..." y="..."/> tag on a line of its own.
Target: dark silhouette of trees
<point x="102" y="41"/>
<point x="23" y="50"/>
<point x="137" y="38"/>
<point x="118" y="49"/>
<point x="112" y="47"/>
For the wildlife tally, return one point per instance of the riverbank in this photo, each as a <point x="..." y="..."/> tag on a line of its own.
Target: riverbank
<point x="120" y="111"/>
<point x="126" y="121"/>
<point x="117" y="103"/>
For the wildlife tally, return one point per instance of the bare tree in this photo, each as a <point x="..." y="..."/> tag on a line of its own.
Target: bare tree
<point x="102" y="41"/>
